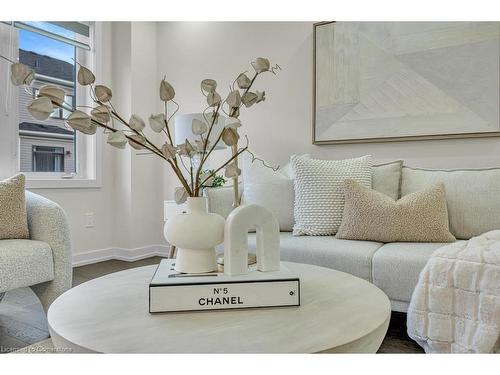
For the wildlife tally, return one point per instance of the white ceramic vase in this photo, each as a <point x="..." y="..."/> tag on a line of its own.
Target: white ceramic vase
<point x="195" y="234"/>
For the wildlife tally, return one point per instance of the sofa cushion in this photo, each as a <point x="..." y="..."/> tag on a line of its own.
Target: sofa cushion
<point x="372" y="216"/>
<point x="472" y="195"/>
<point x="354" y="257"/>
<point x="24" y="263"/>
<point x="220" y="199"/>
<point x="13" y="217"/>
<point x="397" y="265"/>
<point x="386" y="178"/>
<point x="319" y="193"/>
<point x="274" y="188"/>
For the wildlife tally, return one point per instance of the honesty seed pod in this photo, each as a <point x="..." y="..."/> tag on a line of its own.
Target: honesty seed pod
<point x="243" y="81"/>
<point x="208" y="85"/>
<point x="101" y="114"/>
<point x="261" y="64"/>
<point x="103" y="93"/>
<point x="136" y="123"/>
<point x="137" y="141"/>
<point x="82" y="122"/>
<point x="234" y="99"/>
<point x="167" y="92"/>
<point x="41" y="108"/>
<point x="213" y="99"/>
<point x="85" y="76"/>
<point x="180" y="195"/>
<point x="186" y="149"/>
<point x="198" y="127"/>
<point x="54" y="93"/>
<point x="232" y="170"/>
<point x="157" y="122"/>
<point x="168" y="150"/>
<point x="20" y="74"/>
<point x="117" y="139"/>
<point x="249" y="99"/>
<point x="230" y="136"/>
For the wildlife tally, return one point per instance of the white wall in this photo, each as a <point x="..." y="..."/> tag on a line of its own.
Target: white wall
<point x="281" y="126"/>
<point x="78" y="202"/>
<point x="128" y="207"/>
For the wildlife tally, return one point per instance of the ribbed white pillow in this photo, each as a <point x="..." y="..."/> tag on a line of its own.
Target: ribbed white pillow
<point x="268" y="188"/>
<point x="319" y="193"/>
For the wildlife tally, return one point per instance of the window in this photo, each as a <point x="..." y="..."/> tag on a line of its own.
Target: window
<point x="70" y="99"/>
<point x="48" y="152"/>
<point x="54" y="64"/>
<point x="48" y="159"/>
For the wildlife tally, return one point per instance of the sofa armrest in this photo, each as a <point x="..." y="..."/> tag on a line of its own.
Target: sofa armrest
<point x="220" y="200"/>
<point x="47" y="222"/>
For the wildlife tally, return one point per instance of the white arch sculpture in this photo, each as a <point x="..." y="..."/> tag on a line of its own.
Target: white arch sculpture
<point x="238" y="223"/>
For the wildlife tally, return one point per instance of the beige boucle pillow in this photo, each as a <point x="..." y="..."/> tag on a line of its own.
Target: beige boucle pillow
<point x="13" y="218"/>
<point x="372" y="216"/>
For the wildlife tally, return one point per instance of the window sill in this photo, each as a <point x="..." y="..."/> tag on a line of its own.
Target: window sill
<point x="60" y="183"/>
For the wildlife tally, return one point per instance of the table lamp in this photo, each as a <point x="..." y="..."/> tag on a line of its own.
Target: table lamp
<point x="183" y="129"/>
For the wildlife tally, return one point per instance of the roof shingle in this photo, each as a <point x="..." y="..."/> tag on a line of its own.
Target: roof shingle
<point x="47" y="66"/>
<point x="30" y="126"/>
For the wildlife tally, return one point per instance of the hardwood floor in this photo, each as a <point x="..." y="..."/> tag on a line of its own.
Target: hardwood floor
<point x="396" y="339"/>
<point x="23" y="322"/>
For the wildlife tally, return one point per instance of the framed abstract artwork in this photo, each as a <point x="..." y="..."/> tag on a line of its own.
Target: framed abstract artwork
<point x="396" y="81"/>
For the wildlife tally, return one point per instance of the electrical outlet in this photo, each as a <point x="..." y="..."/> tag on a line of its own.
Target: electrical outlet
<point x="89" y="220"/>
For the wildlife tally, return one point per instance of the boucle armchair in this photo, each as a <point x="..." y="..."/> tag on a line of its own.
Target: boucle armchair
<point x="42" y="262"/>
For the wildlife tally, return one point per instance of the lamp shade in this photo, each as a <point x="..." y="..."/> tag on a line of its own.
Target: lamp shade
<point x="184" y="124"/>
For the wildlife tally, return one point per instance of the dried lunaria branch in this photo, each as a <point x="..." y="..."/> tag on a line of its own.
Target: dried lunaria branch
<point x="255" y="158"/>
<point x="103" y="115"/>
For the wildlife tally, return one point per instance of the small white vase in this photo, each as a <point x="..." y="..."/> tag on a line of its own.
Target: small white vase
<point x="195" y="234"/>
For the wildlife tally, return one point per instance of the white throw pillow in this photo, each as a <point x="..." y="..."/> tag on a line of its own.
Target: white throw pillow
<point x="269" y="188"/>
<point x="319" y="192"/>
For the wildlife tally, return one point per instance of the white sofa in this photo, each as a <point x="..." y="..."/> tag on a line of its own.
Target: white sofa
<point x="473" y="198"/>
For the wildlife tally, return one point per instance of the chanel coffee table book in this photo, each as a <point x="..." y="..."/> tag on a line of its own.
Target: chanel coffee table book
<point x="171" y="291"/>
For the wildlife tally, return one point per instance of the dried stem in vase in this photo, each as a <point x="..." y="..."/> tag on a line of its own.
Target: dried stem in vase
<point x="51" y="97"/>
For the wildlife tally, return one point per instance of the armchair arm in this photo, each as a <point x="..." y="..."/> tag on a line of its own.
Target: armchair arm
<point x="47" y="222"/>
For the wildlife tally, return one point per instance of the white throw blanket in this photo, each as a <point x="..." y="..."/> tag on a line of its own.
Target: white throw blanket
<point x="455" y="307"/>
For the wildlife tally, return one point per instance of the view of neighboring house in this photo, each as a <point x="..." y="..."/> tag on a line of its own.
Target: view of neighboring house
<point x="46" y="146"/>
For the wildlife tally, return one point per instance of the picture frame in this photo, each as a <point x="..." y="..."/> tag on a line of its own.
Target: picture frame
<point x="352" y="130"/>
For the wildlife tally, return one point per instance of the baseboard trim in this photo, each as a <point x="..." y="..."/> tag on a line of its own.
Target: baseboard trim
<point x="119" y="253"/>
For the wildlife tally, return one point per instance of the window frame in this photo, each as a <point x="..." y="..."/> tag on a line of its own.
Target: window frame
<point x="58" y="150"/>
<point x="88" y="149"/>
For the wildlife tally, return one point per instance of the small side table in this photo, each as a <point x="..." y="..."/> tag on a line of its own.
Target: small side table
<point x="170" y="209"/>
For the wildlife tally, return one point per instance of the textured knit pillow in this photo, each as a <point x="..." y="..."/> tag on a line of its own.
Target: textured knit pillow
<point x="13" y="218"/>
<point x="372" y="216"/>
<point x="319" y="191"/>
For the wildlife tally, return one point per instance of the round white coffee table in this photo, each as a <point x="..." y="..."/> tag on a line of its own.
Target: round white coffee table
<point x="338" y="313"/>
